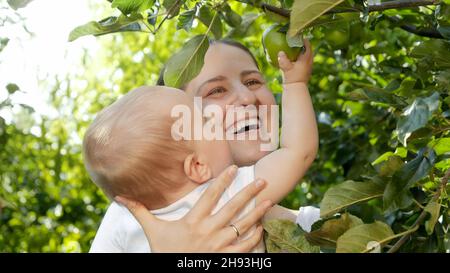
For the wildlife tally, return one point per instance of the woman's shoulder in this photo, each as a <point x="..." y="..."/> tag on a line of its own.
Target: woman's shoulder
<point x="114" y="211"/>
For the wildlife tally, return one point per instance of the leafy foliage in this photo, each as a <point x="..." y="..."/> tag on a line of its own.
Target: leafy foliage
<point x="285" y="236"/>
<point x="187" y="63"/>
<point x="380" y="88"/>
<point x="364" y="238"/>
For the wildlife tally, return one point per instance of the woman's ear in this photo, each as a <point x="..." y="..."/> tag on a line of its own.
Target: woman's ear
<point x="196" y="169"/>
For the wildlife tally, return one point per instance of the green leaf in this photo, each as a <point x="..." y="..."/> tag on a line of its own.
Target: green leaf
<point x="346" y="194"/>
<point x="440" y="145"/>
<point x="442" y="14"/>
<point x="187" y="63"/>
<point x="334" y="19"/>
<point x="206" y="17"/>
<point x="231" y="17"/>
<point x="375" y="94"/>
<point x="444" y="31"/>
<point x="3" y="43"/>
<point x="247" y="20"/>
<point x="6" y="204"/>
<point x="416" y="116"/>
<point x="401" y="152"/>
<point x="362" y="237"/>
<point x="326" y="236"/>
<point x="186" y="19"/>
<point x="436" y="50"/>
<point x="275" y="17"/>
<point x="296" y="41"/>
<point x="108" y="25"/>
<point x="382" y="158"/>
<point x="172" y="7"/>
<point x="304" y="12"/>
<point x="130" y="6"/>
<point x="389" y="167"/>
<point x="17" y="4"/>
<point x="286" y="236"/>
<point x="396" y="194"/>
<point x="12" y="88"/>
<point x="443" y="81"/>
<point x="433" y="209"/>
<point x="27" y="107"/>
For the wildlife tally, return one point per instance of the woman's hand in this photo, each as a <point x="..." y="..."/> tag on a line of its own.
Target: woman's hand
<point x="199" y="231"/>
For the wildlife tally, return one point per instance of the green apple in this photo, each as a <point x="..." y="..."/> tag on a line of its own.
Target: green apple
<point x="338" y="37"/>
<point x="274" y="41"/>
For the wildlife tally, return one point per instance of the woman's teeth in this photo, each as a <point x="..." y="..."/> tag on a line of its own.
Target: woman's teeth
<point x="246" y="125"/>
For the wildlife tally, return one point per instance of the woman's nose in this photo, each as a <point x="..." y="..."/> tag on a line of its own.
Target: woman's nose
<point x="245" y="96"/>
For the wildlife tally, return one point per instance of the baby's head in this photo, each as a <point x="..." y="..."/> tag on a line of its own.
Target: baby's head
<point x="129" y="149"/>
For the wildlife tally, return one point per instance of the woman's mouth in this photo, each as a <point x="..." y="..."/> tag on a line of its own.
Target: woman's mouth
<point x="246" y="125"/>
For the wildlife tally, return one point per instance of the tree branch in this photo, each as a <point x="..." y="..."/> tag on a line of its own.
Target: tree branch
<point x="424" y="32"/>
<point x="280" y="11"/>
<point x="423" y="215"/>
<point x="167" y="16"/>
<point x="398" y="4"/>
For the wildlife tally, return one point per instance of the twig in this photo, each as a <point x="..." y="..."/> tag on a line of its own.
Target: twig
<point x="167" y="16"/>
<point x="423" y="215"/>
<point x="399" y="4"/>
<point x="418" y="204"/>
<point x="424" y="32"/>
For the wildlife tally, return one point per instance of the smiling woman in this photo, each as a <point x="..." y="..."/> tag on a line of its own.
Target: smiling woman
<point x="230" y="76"/>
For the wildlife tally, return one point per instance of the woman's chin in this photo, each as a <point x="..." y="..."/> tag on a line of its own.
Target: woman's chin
<point x="247" y="152"/>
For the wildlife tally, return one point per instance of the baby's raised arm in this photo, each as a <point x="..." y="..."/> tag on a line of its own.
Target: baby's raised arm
<point x="283" y="168"/>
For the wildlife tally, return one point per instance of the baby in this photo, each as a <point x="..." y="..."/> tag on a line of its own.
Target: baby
<point x="130" y="150"/>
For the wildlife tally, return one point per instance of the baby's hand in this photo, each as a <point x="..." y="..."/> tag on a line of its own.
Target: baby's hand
<point x="298" y="71"/>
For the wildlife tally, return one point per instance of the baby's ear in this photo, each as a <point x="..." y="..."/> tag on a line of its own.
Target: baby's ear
<point x="196" y="169"/>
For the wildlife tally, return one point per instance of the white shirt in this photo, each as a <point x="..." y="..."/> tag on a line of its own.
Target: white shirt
<point x="120" y="231"/>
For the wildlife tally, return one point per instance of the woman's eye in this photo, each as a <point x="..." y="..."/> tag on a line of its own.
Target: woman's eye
<point x="252" y="82"/>
<point x="215" y="91"/>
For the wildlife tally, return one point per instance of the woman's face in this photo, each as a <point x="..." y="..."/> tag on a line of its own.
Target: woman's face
<point x="229" y="76"/>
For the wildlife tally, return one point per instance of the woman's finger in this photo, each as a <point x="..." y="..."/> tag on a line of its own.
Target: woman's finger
<point x="243" y="225"/>
<point x="254" y="217"/>
<point x="141" y="213"/>
<point x="248" y="244"/>
<point x="211" y="196"/>
<point x="237" y="203"/>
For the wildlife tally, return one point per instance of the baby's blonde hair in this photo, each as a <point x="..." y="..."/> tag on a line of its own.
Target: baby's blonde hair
<point x="128" y="149"/>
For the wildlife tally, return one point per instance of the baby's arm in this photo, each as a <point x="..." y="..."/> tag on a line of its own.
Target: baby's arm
<point x="283" y="168"/>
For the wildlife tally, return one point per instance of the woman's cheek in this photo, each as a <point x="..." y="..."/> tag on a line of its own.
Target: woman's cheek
<point x="265" y="96"/>
<point x="267" y="99"/>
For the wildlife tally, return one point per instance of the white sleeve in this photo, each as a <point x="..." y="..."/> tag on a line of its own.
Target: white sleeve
<point x="244" y="176"/>
<point x="307" y="216"/>
<point x="110" y="234"/>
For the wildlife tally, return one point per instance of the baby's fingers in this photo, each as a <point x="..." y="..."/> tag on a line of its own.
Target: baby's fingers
<point x="283" y="61"/>
<point x="307" y="54"/>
